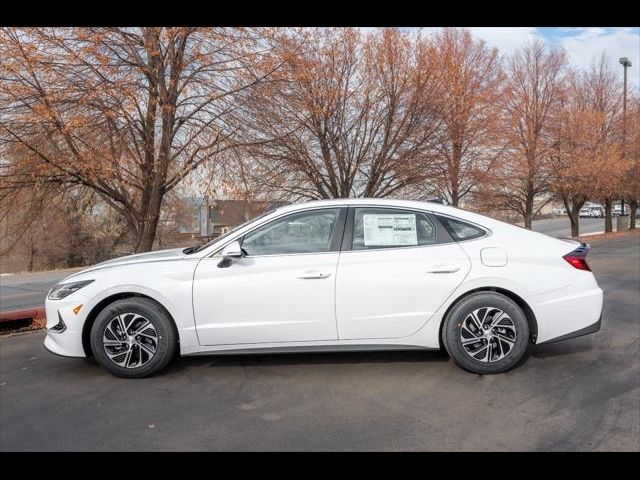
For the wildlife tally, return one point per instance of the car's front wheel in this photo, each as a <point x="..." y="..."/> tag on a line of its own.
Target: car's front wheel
<point x="133" y="338"/>
<point x="486" y="332"/>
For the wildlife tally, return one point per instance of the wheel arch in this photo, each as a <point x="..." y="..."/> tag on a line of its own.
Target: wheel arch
<point x="528" y="312"/>
<point x="101" y="305"/>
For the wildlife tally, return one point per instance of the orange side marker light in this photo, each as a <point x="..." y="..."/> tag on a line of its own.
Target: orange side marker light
<point x="77" y="309"/>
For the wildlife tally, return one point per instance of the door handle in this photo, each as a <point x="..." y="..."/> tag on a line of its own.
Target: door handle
<point x="311" y="276"/>
<point x="443" y="269"/>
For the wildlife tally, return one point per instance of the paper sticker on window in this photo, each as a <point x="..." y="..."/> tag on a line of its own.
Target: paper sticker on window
<point x="389" y="229"/>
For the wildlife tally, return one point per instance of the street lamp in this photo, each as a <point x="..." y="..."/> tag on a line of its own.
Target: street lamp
<point x="624" y="61"/>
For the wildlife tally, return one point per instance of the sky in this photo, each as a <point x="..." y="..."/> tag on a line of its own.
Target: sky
<point x="582" y="44"/>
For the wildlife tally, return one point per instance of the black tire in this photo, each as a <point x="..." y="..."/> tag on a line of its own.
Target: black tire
<point x="163" y="330"/>
<point x="452" y="334"/>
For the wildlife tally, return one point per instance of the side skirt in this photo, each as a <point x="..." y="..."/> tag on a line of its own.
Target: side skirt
<point x="306" y="349"/>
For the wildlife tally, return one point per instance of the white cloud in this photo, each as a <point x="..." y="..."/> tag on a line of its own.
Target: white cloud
<point x="506" y="39"/>
<point x="618" y="42"/>
<point x="582" y="44"/>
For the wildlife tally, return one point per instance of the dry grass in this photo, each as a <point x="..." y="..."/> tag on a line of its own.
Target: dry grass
<point x="18" y="326"/>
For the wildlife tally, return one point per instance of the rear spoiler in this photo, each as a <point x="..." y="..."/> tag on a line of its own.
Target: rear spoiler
<point x="582" y="247"/>
<point x="569" y="240"/>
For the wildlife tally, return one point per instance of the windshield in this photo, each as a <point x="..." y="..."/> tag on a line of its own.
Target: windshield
<point x="191" y="250"/>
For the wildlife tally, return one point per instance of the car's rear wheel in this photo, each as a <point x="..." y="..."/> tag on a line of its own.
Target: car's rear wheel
<point x="486" y="332"/>
<point x="133" y="338"/>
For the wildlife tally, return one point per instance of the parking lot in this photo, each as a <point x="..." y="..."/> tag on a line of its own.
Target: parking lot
<point x="581" y="394"/>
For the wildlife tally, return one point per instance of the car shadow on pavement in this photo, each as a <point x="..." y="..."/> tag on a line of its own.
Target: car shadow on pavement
<point x="562" y="348"/>
<point x="285" y="359"/>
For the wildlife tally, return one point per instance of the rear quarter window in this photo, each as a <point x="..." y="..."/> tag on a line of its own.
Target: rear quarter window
<point x="461" y="230"/>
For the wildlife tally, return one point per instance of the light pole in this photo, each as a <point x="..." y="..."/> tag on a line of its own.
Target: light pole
<point x="624" y="61"/>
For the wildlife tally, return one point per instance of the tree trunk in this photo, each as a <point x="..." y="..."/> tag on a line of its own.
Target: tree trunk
<point x="455" y="198"/>
<point x="633" y="206"/>
<point x="32" y="252"/>
<point x="573" y="212"/>
<point x="454" y="173"/>
<point x="528" y="213"/>
<point x="147" y="234"/>
<point x="608" y="223"/>
<point x="574" y="219"/>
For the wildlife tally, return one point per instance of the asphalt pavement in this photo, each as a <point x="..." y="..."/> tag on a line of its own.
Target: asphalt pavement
<point x="560" y="226"/>
<point x="27" y="290"/>
<point x="580" y="394"/>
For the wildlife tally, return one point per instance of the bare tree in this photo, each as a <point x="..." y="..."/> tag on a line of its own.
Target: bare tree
<point x="583" y="160"/>
<point x="126" y="112"/>
<point x="632" y="181"/>
<point x="530" y="102"/>
<point x="346" y="115"/>
<point x="603" y="93"/>
<point x="471" y="85"/>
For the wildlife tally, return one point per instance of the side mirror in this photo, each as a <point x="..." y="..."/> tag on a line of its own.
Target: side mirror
<point x="233" y="250"/>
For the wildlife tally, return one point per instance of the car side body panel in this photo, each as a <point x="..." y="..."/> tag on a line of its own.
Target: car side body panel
<point x="562" y="298"/>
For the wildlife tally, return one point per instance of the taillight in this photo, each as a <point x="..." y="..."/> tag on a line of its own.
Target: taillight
<point x="578" y="257"/>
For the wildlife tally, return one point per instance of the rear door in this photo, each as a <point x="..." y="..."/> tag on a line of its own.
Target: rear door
<point x="395" y="270"/>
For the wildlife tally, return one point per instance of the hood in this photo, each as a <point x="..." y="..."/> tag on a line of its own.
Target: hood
<point x="144" y="257"/>
<point x="171" y="254"/>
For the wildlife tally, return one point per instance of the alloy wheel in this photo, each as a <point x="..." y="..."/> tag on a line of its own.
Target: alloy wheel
<point x="488" y="334"/>
<point x="130" y="340"/>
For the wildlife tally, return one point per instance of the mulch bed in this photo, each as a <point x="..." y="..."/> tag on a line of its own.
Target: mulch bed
<point x="25" y="325"/>
<point x="604" y="236"/>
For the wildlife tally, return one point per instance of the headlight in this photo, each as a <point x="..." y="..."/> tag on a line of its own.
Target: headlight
<point x="65" y="289"/>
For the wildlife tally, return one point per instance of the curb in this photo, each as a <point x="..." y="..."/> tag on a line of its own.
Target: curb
<point x="23" y="314"/>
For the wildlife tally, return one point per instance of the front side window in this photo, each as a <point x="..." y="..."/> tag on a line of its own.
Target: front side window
<point x="391" y="228"/>
<point x="305" y="232"/>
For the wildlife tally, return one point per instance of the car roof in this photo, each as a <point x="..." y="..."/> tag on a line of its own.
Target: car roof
<point x="382" y="202"/>
<point x="434" y="207"/>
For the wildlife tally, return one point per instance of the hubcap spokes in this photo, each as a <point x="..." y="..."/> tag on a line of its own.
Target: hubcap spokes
<point x="488" y="334"/>
<point x="130" y="340"/>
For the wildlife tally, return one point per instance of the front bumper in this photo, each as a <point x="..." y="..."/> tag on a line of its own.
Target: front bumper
<point x="66" y="340"/>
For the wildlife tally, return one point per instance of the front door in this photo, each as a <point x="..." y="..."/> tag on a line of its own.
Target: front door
<point x="282" y="290"/>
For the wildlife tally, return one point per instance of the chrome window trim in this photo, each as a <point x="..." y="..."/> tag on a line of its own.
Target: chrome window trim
<point x="488" y="231"/>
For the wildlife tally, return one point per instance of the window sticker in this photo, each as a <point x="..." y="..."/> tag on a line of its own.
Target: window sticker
<point x="389" y="229"/>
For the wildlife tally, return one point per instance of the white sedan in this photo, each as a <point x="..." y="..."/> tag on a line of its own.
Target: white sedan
<point x="349" y="274"/>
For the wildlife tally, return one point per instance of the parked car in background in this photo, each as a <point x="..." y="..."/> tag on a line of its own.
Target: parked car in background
<point x="585" y="213"/>
<point x="618" y="208"/>
<point x="333" y="275"/>
<point x="559" y="211"/>
<point x="597" y="212"/>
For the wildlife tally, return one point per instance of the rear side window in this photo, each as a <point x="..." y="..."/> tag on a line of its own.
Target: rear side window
<point x="392" y="228"/>
<point x="460" y="230"/>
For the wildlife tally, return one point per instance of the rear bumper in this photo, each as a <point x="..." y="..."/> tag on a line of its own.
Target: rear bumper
<point x="577" y="313"/>
<point x="578" y="333"/>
